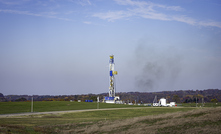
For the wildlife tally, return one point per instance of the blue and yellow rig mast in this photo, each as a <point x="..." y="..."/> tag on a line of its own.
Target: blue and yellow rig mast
<point x="112" y="73"/>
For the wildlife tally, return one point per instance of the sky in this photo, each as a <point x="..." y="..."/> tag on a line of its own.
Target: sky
<point x="62" y="47"/>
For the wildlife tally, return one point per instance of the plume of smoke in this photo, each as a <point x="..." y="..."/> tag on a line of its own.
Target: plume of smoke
<point x="158" y="67"/>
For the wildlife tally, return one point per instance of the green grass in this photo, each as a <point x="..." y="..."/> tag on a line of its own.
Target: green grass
<point x="45" y="106"/>
<point x="39" y="123"/>
<point x="53" y="123"/>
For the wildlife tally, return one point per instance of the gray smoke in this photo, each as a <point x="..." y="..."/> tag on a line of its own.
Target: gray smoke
<point x="158" y="68"/>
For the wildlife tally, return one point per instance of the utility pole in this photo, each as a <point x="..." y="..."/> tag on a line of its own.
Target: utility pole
<point x="32" y="104"/>
<point x="196" y="97"/>
<point x="202" y="102"/>
<point x="98" y="102"/>
<point x="196" y="101"/>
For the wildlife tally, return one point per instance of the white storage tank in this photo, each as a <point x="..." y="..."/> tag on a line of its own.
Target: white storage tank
<point x="172" y="104"/>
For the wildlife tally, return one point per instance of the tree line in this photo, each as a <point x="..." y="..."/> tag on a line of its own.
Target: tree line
<point x="180" y="96"/>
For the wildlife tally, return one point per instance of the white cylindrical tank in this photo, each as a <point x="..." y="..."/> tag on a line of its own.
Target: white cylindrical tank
<point x="172" y="104"/>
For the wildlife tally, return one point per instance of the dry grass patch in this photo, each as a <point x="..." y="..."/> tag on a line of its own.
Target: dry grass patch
<point x="206" y="120"/>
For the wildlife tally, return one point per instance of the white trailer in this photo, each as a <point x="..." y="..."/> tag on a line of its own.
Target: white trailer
<point x="163" y="102"/>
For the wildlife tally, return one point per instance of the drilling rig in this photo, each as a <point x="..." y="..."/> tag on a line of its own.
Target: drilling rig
<point x="112" y="98"/>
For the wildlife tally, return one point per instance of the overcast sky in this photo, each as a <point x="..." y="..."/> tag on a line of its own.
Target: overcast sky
<point x="62" y="47"/>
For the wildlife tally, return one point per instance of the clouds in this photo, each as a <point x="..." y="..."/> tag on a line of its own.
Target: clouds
<point x="44" y="8"/>
<point x="126" y="10"/>
<point x="147" y="4"/>
<point x="137" y="9"/>
<point x="13" y="2"/>
<point x="84" y="2"/>
<point x="143" y="9"/>
<point x="43" y="14"/>
<point x="185" y="19"/>
<point x="87" y="22"/>
<point x="210" y="23"/>
<point x="113" y="15"/>
<point x="149" y="10"/>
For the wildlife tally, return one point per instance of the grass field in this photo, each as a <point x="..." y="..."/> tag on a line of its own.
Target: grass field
<point x="56" y="123"/>
<point x="39" y="106"/>
<point x="134" y="120"/>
